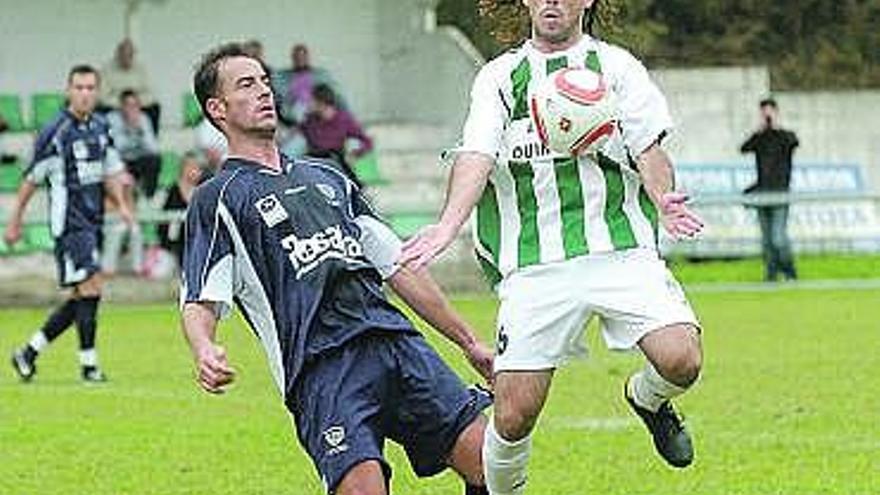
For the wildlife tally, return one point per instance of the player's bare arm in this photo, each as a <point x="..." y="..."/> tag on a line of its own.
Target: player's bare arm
<point x="199" y="327"/>
<point x="658" y="177"/>
<point x="13" y="227"/>
<point x="468" y="178"/>
<point x="421" y="293"/>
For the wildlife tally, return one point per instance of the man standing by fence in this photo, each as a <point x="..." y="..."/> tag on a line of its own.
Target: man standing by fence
<point x="773" y="148"/>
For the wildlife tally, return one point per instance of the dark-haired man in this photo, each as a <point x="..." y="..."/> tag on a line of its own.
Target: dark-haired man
<point x="75" y="155"/>
<point x="773" y="147"/>
<point x="569" y="237"/>
<point x="296" y="248"/>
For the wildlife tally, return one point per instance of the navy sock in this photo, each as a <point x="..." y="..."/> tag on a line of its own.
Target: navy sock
<point x="86" y="321"/>
<point x="55" y="325"/>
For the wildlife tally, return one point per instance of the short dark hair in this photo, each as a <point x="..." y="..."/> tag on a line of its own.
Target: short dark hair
<point x="127" y="93"/>
<point x="324" y="94"/>
<point x="206" y="80"/>
<point x="769" y="102"/>
<point x="82" y="69"/>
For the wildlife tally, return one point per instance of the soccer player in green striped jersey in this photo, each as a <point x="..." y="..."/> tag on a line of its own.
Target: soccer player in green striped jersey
<point x="565" y="238"/>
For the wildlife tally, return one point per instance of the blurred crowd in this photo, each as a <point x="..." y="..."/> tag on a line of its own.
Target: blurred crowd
<point x="314" y="120"/>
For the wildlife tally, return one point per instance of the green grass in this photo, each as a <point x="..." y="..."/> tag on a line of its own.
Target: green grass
<point x="788" y="404"/>
<point x="810" y="267"/>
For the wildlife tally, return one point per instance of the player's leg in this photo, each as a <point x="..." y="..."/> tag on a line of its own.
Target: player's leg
<point x="519" y="398"/>
<point x="86" y="317"/>
<point x="337" y="405"/>
<point x="24" y="359"/>
<point x="642" y="305"/>
<point x="779" y="227"/>
<point x="365" y="478"/>
<point x="437" y="420"/>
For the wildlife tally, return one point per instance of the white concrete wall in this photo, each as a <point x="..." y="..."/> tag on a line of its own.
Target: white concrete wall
<point x="716" y="109"/>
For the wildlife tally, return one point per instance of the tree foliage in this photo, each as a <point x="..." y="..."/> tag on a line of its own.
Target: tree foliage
<point x="808" y="44"/>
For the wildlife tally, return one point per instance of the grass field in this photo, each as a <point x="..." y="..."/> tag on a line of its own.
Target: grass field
<point x="788" y="404"/>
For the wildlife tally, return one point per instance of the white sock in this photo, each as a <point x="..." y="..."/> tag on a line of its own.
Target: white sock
<point x="504" y="462"/>
<point x="650" y="390"/>
<point x="88" y="357"/>
<point x="39" y="341"/>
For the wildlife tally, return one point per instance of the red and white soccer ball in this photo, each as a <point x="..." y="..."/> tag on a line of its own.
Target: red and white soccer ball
<point x="574" y="111"/>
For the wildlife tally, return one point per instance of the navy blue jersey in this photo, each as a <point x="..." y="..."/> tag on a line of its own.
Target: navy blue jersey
<point x="287" y="249"/>
<point x="74" y="156"/>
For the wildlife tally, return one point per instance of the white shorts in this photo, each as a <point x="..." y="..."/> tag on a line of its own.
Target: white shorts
<point x="545" y="308"/>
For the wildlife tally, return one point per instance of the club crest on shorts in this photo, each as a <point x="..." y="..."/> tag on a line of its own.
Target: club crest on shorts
<point x="335" y="439"/>
<point x="271" y="210"/>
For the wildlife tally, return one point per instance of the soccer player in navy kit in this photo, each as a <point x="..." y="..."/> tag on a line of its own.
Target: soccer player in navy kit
<point x="297" y="249"/>
<point x="75" y="155"/>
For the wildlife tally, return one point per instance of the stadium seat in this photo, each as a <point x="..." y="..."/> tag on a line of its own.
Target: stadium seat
<point x="10" y="110"/>
<point x="38" y="237"/>
<point x="10" y="177"/>
<point x="44" y="107"/>
<point x="192" y="111"/>
<point x="170" y="170"/>
<point x="407" y="224"/>
<point x="367" y="170"/>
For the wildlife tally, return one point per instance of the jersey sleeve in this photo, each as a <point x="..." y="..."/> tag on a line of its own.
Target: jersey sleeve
<point x="47" y="157"/>
<point x="644" y="113"/>
<point x="381" y="245"/>
<point x="483" y="128"/>
<point x="207" y="272"/>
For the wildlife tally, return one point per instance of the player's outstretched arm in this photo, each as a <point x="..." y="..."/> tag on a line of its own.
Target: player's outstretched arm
<point x="657" y="175"/>
<point x="199" y="327"/>
<point x="13" y="224"/>
<point x="421" y="293"/>
<point x="468" y="178"/>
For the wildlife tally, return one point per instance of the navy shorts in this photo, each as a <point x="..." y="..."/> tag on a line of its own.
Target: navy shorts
<point x="378" y="386"/>
<point x="78" y="256"/>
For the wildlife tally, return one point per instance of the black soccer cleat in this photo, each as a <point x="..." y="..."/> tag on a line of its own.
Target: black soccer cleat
<point x="24" y="367"/>
<point x="93" y="374"/>
<point x="475" y="490"/>
<point x="670" y="437"/>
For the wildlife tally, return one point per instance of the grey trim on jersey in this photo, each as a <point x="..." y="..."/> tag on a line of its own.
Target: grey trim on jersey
<point x="381" y="245"/>
<point x="52" y="168"/>
<point x="252" y="296"/>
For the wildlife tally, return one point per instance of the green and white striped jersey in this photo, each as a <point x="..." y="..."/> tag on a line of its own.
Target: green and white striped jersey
<point x="542" y="207"/>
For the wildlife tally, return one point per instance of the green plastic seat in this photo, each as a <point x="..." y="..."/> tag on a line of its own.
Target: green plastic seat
<point x="38" y="238"/>
<point x="367" y="170"/>
<point x="10" y="110"/>
<point x="10" y="177"/>
<point x="44" y="107"/>
<point x="192" y="111"/>
<point x="170" y="170"/>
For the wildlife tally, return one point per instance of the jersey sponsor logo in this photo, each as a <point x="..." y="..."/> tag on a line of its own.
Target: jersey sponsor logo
<point x="530" y="151"/>
<point x="335" y="439"/>
<point x="306" y="254"/>
<point x="80" y="149"/>
<point x="271" y="210"/>
<point x="89" y="171"/>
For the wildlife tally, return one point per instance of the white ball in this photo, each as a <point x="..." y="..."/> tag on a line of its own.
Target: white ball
<point x="574" y="111"/>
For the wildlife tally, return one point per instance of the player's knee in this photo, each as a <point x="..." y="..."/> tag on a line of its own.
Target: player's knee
<point x="684" y="367"/>
<point x="513" y="423"/>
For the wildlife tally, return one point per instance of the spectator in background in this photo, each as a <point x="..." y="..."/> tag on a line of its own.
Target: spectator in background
<point x="123" y="73"/>
<point x="773" y="147"/>
<point x="135" y="139"/>
<point x="212" y="144"/>
<point x="177" y="199"/>
<point x="294" y="87"/>
<point x="122" y="237"/>
<point x="327" y="128"/>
